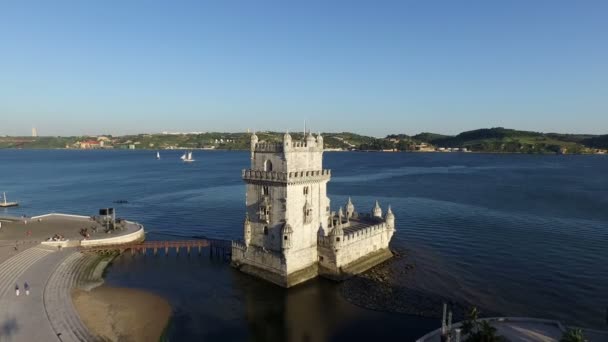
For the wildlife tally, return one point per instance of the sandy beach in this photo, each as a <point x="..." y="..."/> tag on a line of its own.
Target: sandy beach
<point x="122" y="314"/>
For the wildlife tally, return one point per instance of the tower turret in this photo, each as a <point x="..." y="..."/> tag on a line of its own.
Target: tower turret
<point x="350" y="209"/>
<point x="340" y="216"/>
<point x="286" y="140"/>
<point x="247" y="230"/>
<point x="310" y="140"/>
<point x="336" y="235"/>
<point x="287" y="233"/>
<point x="319" y="141"/>
<point x="254" y="141"/>
<point x="390" y="218"/>
<point x="377" y="211"/>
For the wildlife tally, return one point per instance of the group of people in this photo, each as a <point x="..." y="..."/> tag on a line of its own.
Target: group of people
<point x="26" y="287"/>
<point x="56" y="237"/>
<point x="85" y="233"/>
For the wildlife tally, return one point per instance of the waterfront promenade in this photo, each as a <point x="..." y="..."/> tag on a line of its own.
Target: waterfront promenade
<point x="48" y="313"/>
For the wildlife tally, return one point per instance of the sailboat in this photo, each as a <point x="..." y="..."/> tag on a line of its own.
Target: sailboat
<point x="187" y="157"/>
<point x="157" y="155"/>
<point x="6" y="204"/>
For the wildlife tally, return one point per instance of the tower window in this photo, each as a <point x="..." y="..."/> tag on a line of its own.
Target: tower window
<point x="305" y="190"/>
<point x="265" y="230"/>
<point x="265" y="191"/>
<point x="267" y="165"/>
<point x="285" y="238"/>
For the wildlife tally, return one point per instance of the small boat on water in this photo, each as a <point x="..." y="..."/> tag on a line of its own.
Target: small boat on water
<point x="187" y="157"/>
<point x="157" y="155"/>
<point x="5" y="204"/>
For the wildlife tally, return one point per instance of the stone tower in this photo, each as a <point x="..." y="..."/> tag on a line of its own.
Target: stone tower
<point x="290" y="234"/>
<point x="287" y="208"/>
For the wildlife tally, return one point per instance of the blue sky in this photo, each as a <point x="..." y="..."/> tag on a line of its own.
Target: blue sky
<point x="372" y="67"/>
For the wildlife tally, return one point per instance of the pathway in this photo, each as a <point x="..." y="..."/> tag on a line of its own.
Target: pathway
<point x="47" y="314"/>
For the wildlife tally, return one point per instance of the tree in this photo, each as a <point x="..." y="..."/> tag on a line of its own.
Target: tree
<point x="479" y="331"/>
<point x="573" y="335"/>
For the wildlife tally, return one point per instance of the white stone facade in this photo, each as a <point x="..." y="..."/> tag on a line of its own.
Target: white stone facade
<point x="290" y="234"/>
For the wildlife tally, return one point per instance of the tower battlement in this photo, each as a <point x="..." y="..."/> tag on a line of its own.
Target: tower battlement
<point x="272" y="147"/>
<point x="250" y="175"/>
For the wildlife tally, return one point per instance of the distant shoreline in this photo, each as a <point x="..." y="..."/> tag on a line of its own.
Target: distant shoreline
<point x="329" y="150"/>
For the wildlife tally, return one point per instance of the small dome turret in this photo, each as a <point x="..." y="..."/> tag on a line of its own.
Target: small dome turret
<point x="319" y="141"/>
<point x="254" y="140"/>
<point x="390" y="218"/>
<point x="247" y="230"/>
<point x="336" y="235"/>
<point x="377" y="211"/>
<point x="287" y="232"/>
<point x="287" y="139"/>
<point x="350" y="208"/>
<point x="310" y="140"/>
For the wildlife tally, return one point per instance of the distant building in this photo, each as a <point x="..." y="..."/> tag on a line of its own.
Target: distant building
<point x="290" y="233"/>
<point x="89" y="144"/>
<point x="34" y="132"/>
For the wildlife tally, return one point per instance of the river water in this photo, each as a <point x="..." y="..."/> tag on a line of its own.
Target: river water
<point x="520" y="235"/>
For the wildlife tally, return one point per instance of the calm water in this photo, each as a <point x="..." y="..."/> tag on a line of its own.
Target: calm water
<point x="520" y="235"/>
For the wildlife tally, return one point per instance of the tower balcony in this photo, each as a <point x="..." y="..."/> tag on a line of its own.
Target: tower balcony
<point x="286" y="177"/>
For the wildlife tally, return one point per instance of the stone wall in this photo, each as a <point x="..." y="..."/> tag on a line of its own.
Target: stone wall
<point x="354" y="248"/>
<point x="138" y="235"/>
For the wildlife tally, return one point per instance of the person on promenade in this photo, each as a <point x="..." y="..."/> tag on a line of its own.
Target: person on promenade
<point x="26" y="286"/>
<point x="17" y="290"/>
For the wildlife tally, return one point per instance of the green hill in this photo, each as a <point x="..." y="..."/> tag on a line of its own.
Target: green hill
<point x="429" y="137"/>
<point x="501" y="139"/>
<point x="600" y="141"/>
<point x="496" y="139"/>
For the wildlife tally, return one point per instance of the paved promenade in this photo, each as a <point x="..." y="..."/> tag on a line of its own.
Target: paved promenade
<point x="31" y="318"/>
<point x="48" y="313"/>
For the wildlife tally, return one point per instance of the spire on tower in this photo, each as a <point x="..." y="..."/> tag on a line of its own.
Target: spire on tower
<point x="377" y="211"/>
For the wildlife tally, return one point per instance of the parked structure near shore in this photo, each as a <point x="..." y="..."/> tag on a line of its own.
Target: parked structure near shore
<point x="290" y="233"/>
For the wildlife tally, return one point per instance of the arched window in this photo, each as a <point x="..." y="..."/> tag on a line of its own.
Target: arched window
<point x="305" y="191"/>
<point x="265" y="191"/>
<point x="265" y="230"/>
<point x="267" y="165"/>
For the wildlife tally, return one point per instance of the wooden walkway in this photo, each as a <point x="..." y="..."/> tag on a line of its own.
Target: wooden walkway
<point x="219" y="248"/>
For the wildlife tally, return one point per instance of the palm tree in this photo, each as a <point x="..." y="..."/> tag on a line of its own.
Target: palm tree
<point x="479" y="331"/>
<point x="573" y="335"/>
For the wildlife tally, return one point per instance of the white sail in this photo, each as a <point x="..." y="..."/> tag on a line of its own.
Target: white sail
<point x="187" y="157"/>
<point x="157" y="155"/>
<point x="183" y="157"/>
